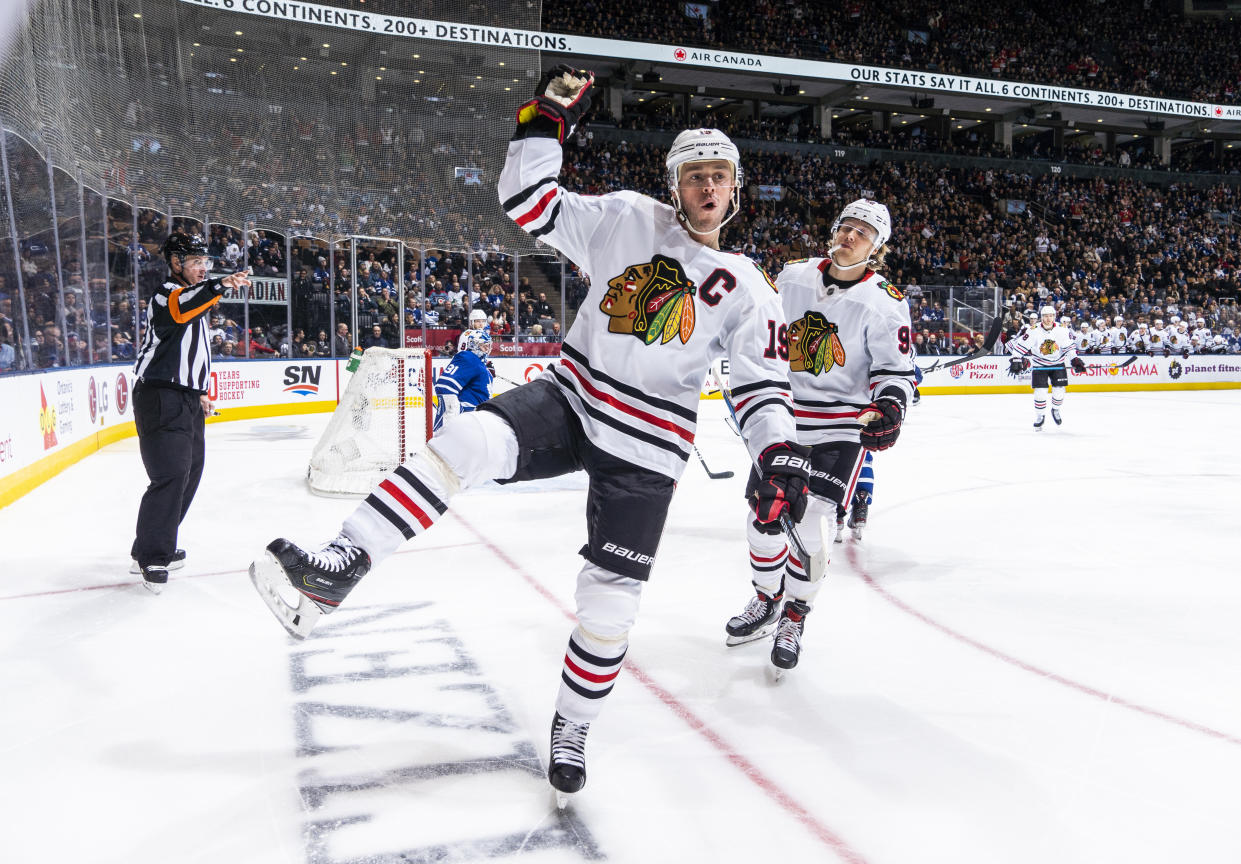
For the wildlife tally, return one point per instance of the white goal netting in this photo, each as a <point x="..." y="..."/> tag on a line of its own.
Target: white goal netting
<point x="383" y="419"/>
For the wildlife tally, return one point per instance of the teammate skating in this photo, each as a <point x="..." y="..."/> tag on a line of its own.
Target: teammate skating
<point x="852" y="374"/>
<point x="622" y="404"/>
<point x="1046" y="348"/>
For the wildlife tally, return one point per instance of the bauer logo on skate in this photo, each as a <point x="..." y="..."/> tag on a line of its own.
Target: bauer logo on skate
<point x="653" y="301"/>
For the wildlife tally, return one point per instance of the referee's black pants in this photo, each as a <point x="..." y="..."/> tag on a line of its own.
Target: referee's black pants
<point x="170" y="437"/>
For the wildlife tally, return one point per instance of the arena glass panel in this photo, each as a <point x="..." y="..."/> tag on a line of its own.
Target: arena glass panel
<point x="72" y="317"/>
<point x="96" y="271"/>
<point x="13" y="355"/>
<point x="226" y="245"/>
<point x="266" y="301"/>
<point x="32" y="215"/>
<point x="124" y="257"/>
<point x="309" y="294"/>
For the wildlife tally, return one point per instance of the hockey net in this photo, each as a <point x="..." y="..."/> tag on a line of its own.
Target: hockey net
<point x="383" y="419"/>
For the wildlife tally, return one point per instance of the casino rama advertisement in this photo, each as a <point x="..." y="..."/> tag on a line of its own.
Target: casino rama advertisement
<point x="1103" y="372"/>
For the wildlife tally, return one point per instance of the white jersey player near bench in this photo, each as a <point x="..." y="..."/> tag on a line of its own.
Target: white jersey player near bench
<point x="622" y="404"/>
<point x="1046" y="347"/>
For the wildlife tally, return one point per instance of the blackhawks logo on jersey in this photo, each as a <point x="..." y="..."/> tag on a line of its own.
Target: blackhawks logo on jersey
<point x="814" y="346"/>
<point x="1048" y="347"/>
<point x="893" y="292"/>
<point x="653" y="301"/>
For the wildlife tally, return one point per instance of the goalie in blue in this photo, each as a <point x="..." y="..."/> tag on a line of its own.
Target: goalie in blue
<point x="465" y="382"/>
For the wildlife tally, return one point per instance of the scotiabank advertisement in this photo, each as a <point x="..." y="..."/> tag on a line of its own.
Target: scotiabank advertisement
<point x="1103" y="372"/>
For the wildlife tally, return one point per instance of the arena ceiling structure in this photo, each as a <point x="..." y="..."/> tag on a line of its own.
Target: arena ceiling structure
<point x="391" y="118"/>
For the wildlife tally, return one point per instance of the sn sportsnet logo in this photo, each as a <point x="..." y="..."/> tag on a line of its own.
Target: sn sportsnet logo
<point x="302" y="380"/>
<point x="628" y="554"/>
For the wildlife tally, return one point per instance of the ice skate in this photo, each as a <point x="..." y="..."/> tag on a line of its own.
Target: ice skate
<point x="1038" y="422"/>
<point x="154" y="577"/>
<point x="1055" y="415"/>
<point x="858" y="513"/>
<point x="176" y="562"/>
<point x="316" y="582"/>
<point x="756" y="621"/>
<point x="839" y="536"/>
<point x="787" y="649"/>
<point x="566" y="766"/>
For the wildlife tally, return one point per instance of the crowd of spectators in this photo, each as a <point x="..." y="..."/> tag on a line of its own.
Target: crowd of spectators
<point x="1133" y="46"/>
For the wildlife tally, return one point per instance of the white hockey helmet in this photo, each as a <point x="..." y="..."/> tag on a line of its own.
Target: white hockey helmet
<point x="478" y="319"/>
<point x="1175" y="319"/>
<point x="1065" y="319"/>
<point x="1119" y="319"/>
<point x="476" y="341"/>
<point x="1201" y="320"/>
<point x="1219" y="340"/>
<point x="1047" y="310"/>
<point x="873" y="213"/>
<point x="1085" y="326"/>
<point x="699" y="145"/>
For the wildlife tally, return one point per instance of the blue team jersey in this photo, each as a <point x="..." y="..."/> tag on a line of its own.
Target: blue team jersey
<point x="465" y="377"/>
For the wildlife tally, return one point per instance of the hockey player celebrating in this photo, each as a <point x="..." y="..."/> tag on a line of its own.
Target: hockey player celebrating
<point x="622" y="404"/>
<point x="465" y="382"/>
<point x="1046" y="348"/>
<point x="852" y="374"/>
<point x="1117" y="336"/>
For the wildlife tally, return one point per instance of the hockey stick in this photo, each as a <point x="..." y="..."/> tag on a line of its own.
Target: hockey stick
<point x="988" y="344"/>
<point x="815" y="565"/>
<point x="714" y="475"/>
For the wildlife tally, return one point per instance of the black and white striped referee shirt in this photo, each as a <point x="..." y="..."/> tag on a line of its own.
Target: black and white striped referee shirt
<point x="175" y="349"/>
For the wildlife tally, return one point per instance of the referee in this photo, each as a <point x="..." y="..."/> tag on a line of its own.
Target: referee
<point x="170" y="402"/>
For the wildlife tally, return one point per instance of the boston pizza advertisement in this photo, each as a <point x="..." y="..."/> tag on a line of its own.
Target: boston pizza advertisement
<point x="990" y="374"/>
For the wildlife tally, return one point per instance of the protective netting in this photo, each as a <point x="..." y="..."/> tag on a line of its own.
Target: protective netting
<point x="233" y="117"/>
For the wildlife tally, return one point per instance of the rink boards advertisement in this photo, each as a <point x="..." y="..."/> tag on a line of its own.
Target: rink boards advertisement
<point x="54" y="418"/>
<point x="990" y="374"/>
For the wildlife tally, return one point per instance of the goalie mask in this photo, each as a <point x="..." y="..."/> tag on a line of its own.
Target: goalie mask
<point x="475" y="341"/>
<point x="703" y="145"/>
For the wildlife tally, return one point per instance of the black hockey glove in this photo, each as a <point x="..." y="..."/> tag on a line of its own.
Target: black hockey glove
<point x="563" y="97"/>
<point x="880" y="433"/>
<point x="783" y="471"/>
<point x="1167" y="352"/>
<point x="1185" y="354"/>
<point x="1017" y="365"/>
<point x="1079" y="365"/>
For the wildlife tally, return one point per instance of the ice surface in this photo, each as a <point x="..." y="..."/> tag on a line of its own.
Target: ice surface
<point x="1033" y="656"/>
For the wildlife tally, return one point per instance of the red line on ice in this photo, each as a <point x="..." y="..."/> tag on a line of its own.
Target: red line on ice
<point x="1110" y="698"/>
<point x="752" y="772"/>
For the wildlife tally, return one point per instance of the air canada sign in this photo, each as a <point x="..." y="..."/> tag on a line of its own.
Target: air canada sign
<point x="717" y="58"/>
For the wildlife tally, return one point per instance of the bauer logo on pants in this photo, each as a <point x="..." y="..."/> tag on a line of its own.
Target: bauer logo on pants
<point x="653" y="301"/>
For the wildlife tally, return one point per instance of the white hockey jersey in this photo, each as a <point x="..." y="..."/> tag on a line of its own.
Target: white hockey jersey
<point x="846" y="346"/>
<point x="1178" y="342"/>
<point x="1046" y="348"/>
<point x="1082" y="340"/>
<point x="661" y="308"/>
<point x="1117" y="338"/>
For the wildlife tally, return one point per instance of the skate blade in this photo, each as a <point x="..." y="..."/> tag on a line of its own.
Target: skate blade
<point x="753" y="637"/>
<point x="857" y="534"/>
<point x="154" y="587"/>
<point x="269" y="579"/>
<point x="172" y="565"/>
<point x="563" y="799"/>
<point x="775" y="674"/>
